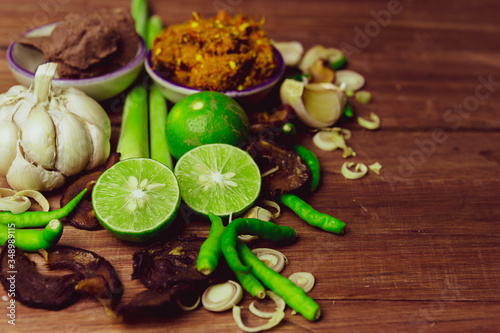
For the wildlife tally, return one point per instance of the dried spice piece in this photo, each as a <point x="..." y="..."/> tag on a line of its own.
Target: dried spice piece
<point x="83" y="216"/>
<point x="32" y="288"/>
<point x="99" y="278"/>
<point x="89" y="44"/>
<point x="290" y="173"/>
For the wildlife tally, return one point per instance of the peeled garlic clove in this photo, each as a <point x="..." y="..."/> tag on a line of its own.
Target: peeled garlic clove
<point x="86" y="108"/>
<point x="311" y="56"/>
<point x="24" y="175"/>
<point x="324" y="102"/>
<point x="8" y="143"/>
<point x="291" y="94"/>
<point x="23" y="108"/>
<point x="38" y="137"/>
<point x="72" y="143"/>
<point x="321" y="72"/>
<point x="100" y="148"/>
<point x="290" y="51"/>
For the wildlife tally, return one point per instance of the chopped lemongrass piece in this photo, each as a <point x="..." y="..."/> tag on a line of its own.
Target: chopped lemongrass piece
<point x="360" y="170"/>
<point x="280" y="306"/>
<point x="336" y="58"/>
<point x="188" y="308"/>
<point x="273" y="321"/>
<point x="273" y="204"/>
<point x="304" y="280"/>
<point x="37" y="196"/>
<point x="270" y="171"/>
<point x="372" y="124"/>
<point x="375" y="167"/>
<point x="330" y="140"/>
<point x="273" y="259"/>
<point x="353" y="80"/>
<point x="15" y="205"/>
<point x="223" y="296"/>
<point x="363" y="96"/>
<point x="349" y="93"/>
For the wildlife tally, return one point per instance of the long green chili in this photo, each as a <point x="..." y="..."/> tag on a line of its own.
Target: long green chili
<point x="312" y="216"/>
<point x="31" y="240"/>
<point x="294" y="296"/>
<point x="312" y="161"/>
<point x="32" y="219"/>
<point x="210" y="250"/>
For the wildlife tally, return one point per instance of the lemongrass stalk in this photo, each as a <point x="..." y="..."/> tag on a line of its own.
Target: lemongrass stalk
<point x="155" y="25"/>
<point x="139" y="11"/>
<point x="134" y="140"/>
<point x="157" y="120"/>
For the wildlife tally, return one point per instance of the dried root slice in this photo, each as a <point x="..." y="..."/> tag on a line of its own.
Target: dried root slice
<point x="280" y="306"/>
<point x="372" y="124"/>
<point x="188" y="308"/>
<point x="273" y="321"/>
<point x="360" y="170"/>
<point x="333" y="139"/>
<point x="352" y="80"/>
<point x="375" y="167"/>
<point x="223" y="296"/>
<point x="304" y="280"/>
<point x="273" y="259"/>
<point x="290" y="51"/>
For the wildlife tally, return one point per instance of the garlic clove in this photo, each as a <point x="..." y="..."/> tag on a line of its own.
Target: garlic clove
<point x="100" y="148"/>
<point x="77" y="102"/>
<point x="24" y="175"/>
<point x="324" y="102"/>
<point x="23" y="107"/>
<point x="38" y="136"/>
<point x="8" y="143"/>
<point x="291" y="94"/>
<point x="311" y="56"/>
<point x="321" y="72"/>
<point x="290" y="51"/>
<point x="72" y="143"/>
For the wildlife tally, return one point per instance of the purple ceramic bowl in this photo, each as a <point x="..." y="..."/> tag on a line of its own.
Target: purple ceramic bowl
<point x="23" y="61"/>
<point x="175" y="92"/>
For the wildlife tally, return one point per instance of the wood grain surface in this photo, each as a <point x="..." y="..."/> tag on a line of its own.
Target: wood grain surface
<point x="422" y="248"/>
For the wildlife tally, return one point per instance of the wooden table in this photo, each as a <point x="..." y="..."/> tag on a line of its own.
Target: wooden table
<point x="422" y="250"/>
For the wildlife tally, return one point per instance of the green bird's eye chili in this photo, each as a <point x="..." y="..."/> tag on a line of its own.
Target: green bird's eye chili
<point x="249" y="226"/>
<point x="210" y="250"/>
<point x="251" y="284"/>
<point x="312" y="216"/>
<point x="312" y="161"/>
<point x="32" y="219"/>
<point x="294" y="296"/>
<point x="31" y="240"/>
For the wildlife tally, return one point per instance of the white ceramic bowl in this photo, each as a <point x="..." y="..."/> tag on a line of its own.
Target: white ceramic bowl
<point x="175" y="92"/>
<point x="23" y="61"/>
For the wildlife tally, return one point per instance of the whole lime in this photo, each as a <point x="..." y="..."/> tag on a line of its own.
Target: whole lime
<point x="204" y="118"/>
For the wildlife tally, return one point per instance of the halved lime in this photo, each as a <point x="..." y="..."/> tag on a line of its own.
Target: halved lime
<point x="218" y="178"/>
<point x="136" y="198"/>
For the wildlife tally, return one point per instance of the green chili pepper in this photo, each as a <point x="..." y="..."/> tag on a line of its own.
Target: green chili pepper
<point x="312" y="216"/>
<point x="31" y="240"/>
<point x="294" y="296"/>
<point x="31" y="219"/>
<point x="250" y="283"/>
<point x="348" y="112"/>
<point x="288" y="129"/>
<point x="249" y="226"/>
<point x="210" y="250"/>
<point x="312" y="161"/>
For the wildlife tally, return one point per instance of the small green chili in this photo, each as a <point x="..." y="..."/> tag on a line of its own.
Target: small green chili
<point x="312" y="161"/>
<point x="210" y="250"/>
<point x="249" y="226"/>
<point x="312" y="216"/>
<point x="32" y="240"/>
<point x="32" y="219"/>
<point x="294" y="296"/>
<point x="348" y="112"/>
<point x="250" y="283"/>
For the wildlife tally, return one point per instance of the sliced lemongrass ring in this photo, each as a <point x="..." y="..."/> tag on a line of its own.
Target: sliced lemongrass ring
<point x="273" y="259"/>
<point x="353" y="80"/>
<point x="15" y="205"/>
<point x="280" y="306"/>
<point x="274" y="205"/>
<point x="363" y="96"/>
<point x="360" y="170"/>
<point x="188" y="308"/>
<point x="221" y="297"/>
<point x="273" y="321"/>
<point x="37" y="196"/>
<point x="304" y="280"/>
<point x="372" y="124"/>
<point x="324" y="140"/>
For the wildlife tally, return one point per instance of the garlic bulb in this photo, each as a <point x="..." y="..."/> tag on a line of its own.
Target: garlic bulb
<point x="47" y="134"/>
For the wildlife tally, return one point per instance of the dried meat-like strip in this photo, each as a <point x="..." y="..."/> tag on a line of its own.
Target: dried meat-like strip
<point x="32" y="288"/>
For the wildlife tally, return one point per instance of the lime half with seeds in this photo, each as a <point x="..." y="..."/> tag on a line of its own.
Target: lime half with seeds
<point x="136" y="199"/>
<point x="218" y="178"/>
